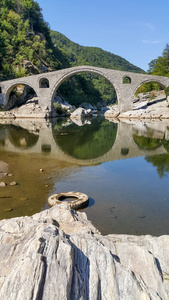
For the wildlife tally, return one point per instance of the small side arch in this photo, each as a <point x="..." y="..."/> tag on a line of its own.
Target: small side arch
<point x="163" y="86"/>
<point x="44" y="83"/>
<point x="126" y="80"/>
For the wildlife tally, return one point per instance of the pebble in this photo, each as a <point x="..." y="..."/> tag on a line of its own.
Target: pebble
<point x="3" y="184"/>
<point x="23" y="199"/>
<point x="10" y="175"/>
<point x="13" y="183"/>
<point x="8" y="209"/>
<point x="41" y="170"/>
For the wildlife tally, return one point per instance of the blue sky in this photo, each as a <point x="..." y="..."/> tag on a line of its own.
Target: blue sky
<point x="137" y="30"/>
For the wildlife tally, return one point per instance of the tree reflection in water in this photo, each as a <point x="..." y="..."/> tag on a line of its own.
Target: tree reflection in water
<point x="161" y="162"/>
<point x="86" y="142"/>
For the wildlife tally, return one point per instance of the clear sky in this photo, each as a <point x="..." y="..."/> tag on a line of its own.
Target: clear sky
<point x="137" y="30"/>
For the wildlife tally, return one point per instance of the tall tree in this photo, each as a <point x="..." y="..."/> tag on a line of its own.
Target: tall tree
<point x="160" y="66"/>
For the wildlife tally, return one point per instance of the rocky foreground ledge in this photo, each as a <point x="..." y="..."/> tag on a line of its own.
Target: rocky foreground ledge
<point x="59" y="254"/>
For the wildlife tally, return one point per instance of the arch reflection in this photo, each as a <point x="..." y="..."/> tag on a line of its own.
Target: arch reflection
<point x="147" y="143"/>
<point x="20" y="137"/>
<point x="87" y="142"/>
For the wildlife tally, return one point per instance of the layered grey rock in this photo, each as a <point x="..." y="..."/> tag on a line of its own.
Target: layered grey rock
<point x="157" y="109"/>
<point x="29" y="110"/>
<point x="59" y="254"/>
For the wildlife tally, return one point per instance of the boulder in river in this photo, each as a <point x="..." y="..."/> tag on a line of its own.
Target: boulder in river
<point x="80" y="113"/>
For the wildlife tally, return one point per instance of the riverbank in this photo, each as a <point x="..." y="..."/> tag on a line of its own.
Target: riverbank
<point x="157" y="108"/>
<point x="143" y="108"/>
<point x="59" y="254"/>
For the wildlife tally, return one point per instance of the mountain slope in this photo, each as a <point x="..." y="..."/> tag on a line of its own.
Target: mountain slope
<point x="80" y="55"/>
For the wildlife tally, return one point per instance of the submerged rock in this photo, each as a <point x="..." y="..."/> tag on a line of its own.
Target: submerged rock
<point x="3" y="184"/>
<point x="59" y="254"/>
<point x="13" y="183"/>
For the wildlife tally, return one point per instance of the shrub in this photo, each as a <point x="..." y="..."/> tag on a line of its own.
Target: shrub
<point x="152" y="95"/>
<point x="167" y="91"/>
<point x="59" y="109"/>
<point x="167" y="94"/>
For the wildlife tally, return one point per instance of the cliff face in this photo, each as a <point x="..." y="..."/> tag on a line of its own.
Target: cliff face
<point x="59" y="254"/>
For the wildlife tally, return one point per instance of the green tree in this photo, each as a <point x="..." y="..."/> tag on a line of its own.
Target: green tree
<point x="160" y="66"/>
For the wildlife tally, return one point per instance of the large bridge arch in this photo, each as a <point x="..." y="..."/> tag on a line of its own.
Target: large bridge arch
<point x="82" y="69"/>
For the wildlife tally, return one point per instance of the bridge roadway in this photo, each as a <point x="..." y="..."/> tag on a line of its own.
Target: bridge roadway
<point x="124" y="141"/>
<point x="45" y="85"/>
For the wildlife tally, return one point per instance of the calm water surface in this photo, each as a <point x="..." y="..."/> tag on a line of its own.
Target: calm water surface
<point x="124" y="168"/>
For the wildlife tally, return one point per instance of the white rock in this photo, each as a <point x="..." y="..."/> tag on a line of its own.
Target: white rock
<point x="59" y="254"/>
<point x="3" y="184"/>
<point x="80" y="113"/>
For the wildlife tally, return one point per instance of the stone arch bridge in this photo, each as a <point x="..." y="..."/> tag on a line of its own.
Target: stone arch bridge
<point x="45" y="85"/>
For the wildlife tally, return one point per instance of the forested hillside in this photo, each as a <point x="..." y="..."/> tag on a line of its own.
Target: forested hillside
<point x="27" y="46"/>
<point x="80" y="55"/>
<point x="25" y="36"/>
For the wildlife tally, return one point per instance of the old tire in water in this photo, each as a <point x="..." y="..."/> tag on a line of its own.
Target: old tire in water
<point x="81" y="200"/>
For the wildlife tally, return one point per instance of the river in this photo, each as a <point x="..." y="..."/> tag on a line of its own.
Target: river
<point x="122" y="166"/>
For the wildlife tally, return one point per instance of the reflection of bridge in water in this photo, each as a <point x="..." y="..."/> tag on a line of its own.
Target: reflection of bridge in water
<point x="43" y="141"/>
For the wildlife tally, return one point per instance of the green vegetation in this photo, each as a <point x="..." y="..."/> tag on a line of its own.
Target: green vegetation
<point x="160" y="66"/>
<point x="146" y="143"/>
<point x="148" y="87"/>
<point x="1" y="107"/>
<point x="59" y="109"/>
<point x="88" y="142"/>
<point x="25" y="36"/>
<point x="167" y="91"/>
<point x="87" y="88"/>
<point x="93" y="56"/>
<point x="27" y="46"/>
<point x="161" y="162"/>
